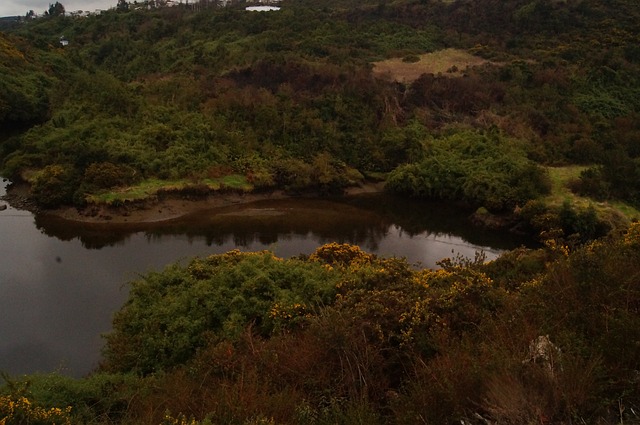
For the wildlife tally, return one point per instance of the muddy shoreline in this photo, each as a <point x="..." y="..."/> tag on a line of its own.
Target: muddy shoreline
<point x="157" y="209"/>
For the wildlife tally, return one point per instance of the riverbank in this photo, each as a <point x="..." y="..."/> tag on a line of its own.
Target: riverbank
<point x="157" y="209"/>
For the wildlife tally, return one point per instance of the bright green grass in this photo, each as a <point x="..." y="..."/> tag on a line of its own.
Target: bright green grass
<point x="151" y="187"/>
<point x="234" y="181"/>
<point x="560" y="179"/>
<point x="627" y="210"/>
<point x="560" y="192"/>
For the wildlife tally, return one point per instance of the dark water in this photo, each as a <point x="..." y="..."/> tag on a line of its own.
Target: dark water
<point x="60" y="282"/>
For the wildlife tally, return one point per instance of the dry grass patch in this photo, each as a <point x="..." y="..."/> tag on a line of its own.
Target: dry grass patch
<point x="451" y="62"/>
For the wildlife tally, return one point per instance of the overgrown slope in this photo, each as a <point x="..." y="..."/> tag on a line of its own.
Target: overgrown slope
<point x="175" y="93"/>
<point x="548" y="335"/>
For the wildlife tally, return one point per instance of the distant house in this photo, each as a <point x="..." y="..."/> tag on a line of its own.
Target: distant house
<point x="261" y="8"/>
<point x="63" y="41"/>
<point x="80" y="14"/>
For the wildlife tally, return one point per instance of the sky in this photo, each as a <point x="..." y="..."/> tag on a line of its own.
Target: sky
<point x="21" y="7"/>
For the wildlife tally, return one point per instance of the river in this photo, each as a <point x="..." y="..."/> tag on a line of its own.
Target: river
<point x="61" y="282"/>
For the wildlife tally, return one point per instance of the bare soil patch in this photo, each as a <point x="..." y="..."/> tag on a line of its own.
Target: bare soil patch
<point x="450" y="62"/>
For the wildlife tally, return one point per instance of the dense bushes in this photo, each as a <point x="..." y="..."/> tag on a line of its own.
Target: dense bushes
<point x="617" y="178"/>
<point x="288" y="100"/>
<point x="399" y="344"/>
<point x="56" y="399"/>
<point x="54" y="185"/>
<point x="173" y="93"/>
<point x="170" y="315"/>
<point x="483" y="170"/>
<point x="24" y="89"/>
<point x="343" y="336"/>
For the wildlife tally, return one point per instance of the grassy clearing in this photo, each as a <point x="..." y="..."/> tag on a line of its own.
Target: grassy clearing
<point x="151" y="187"/>
<point x="233" y="181"/>
<point x="142" y="190"/>
<point x="627" y="210"/>
<point x="560" y="179"/>
<point x="560" y="192"/>
<point x="440" y="62"/>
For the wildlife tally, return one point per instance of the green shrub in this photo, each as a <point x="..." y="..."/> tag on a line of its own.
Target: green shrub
<point x="582" y="224"/>
<point x="54" y="185"/>
<point x="170" y="315"/>
<point x="483" y="170"/>
<point x="93" y="399"/>
<point x="105" y="175"/>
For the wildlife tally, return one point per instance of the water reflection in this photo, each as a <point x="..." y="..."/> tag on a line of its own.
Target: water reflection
<point x="365" y="220"/>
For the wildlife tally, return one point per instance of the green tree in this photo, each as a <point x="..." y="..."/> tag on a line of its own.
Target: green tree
<point x="122" y="6"/>
<point x="56" y="9"/>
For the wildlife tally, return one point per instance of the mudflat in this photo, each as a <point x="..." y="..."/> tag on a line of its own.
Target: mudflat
<point x="157" y="210"/>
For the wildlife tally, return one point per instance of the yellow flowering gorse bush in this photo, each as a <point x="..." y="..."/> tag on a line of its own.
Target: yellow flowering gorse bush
<point x="632" y="237"/>
<point x="286" y="315"/>
<point x="20" y="410"/>
<point x="345" y="255"/>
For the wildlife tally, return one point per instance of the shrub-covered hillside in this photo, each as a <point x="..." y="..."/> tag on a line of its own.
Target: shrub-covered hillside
<point x="317" y="97"/>
<point x="291" y="99"/>
<point x="544" y="336"/>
